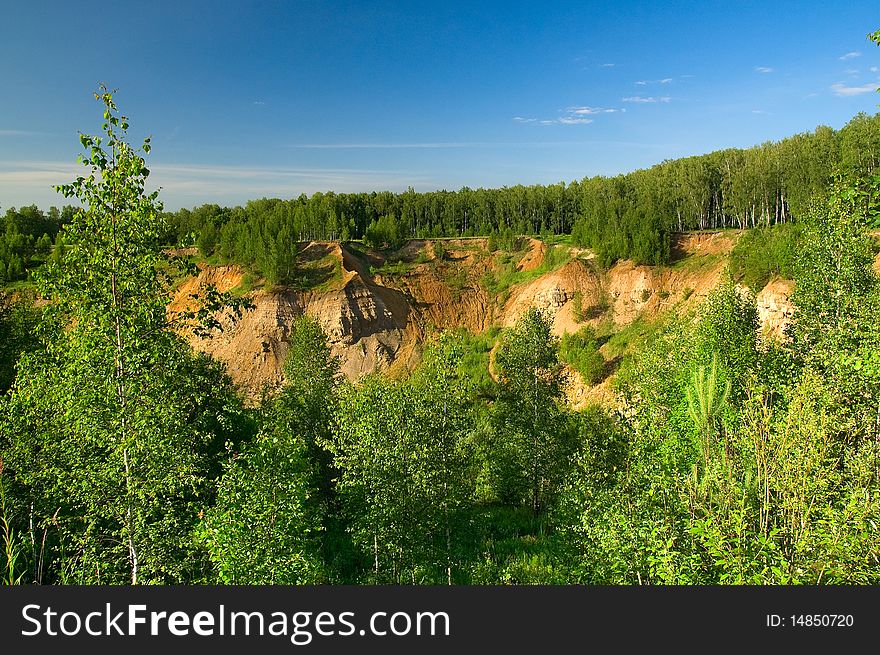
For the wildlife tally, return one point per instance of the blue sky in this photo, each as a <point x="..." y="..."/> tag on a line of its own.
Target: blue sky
<point x="269" y="98"/>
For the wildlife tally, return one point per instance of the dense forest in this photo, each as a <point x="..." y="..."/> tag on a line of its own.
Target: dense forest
<point x="125" y="457"/>
<point x="624" y="217"/>
<point x="27" y="237"/>
<point x="628" y="216"/>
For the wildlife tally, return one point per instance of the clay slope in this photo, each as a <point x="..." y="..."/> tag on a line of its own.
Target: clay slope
<point x="378" y="316"/>
<point x="366" y="323"/>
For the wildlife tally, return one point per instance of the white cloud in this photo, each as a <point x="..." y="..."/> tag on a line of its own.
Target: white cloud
<point x="19" y="133"/>
<point x="842" y="90"/>
<point x="763" y="69"/>
<point x="759" y="111"/>
<point x="850" y="55"/>
<point x="588" y="111"/>
<point x="607" y="65"/>
<point x="665" y="80"/>
<point x="183" y="184"/>
<point x="646" y="99"/>
<point x="259" y="103"/>
<point x="874" y="69"/>
<point x="572" y="116"/>
<point x="437" y="145"/>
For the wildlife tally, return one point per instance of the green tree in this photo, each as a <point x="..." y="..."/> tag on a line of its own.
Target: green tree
<point x="404" y="471"/>
<point x="530" y="447"/>
<point x="276" y="494"/>
<point x="118" y="429"/>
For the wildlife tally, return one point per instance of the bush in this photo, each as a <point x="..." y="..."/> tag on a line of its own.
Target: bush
<point x="580" y="350"/>
<point x="763" y="252"/>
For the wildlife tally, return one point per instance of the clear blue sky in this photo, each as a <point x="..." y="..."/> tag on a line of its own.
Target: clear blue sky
<point x="253" y="99"/>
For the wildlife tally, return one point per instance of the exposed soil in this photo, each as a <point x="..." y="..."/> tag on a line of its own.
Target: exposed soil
<point x="379" y="322"/>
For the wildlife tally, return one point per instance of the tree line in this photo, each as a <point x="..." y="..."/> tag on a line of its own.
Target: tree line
<point x="627" y="216"/>
<point x="27" y="237"/>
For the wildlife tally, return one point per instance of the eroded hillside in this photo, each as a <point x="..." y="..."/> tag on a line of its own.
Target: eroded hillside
<point x="378" y="310"/>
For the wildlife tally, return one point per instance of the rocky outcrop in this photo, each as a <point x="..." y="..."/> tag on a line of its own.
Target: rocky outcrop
<point x="775" y="309"/>
<point x="378" y="322"/>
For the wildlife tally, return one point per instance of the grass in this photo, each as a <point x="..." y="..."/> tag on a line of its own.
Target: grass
<point x="498" y="283"/>
<point x="763" y="252"/>
<point x="248" y="283"/>
<point x="697" y="263"/>
<point x="628" y="340"/>
<point x="20" y="285"/>
<point x="397" y="268"/>
<point x="319" y="274"/>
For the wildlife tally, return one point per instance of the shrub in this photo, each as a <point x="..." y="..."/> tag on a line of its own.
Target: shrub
<point x="580" y="350"/>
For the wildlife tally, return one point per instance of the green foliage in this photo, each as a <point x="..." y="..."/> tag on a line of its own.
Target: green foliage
<point x="118" y="428"/>
<point x="264" y="527"/>
<point x="706" y="400"/>
<point x="26" y="238"/>
<point x="383" y="234"/>
<point x="18" y="321"/>
<point x="404" y="470"/>
<point x="580" y="350"/>
<point x="764" y="252"/>
<point x="275" y="494"/>
<point x="13" y="544"/>
<point x="528" y="447"/>
<point x="727" y="331"/>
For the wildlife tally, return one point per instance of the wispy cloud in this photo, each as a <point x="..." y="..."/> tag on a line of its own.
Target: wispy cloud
<point x="607" y="65"/>
<point x="259" y="103"/>
<point x="438" y="145"/>
<point x="763" y="69"/>
<point x="646" y="99"/>
<point x="874" y="69"/>
<point x="665" y="80"/>
<point x="567" y="120"/>
<point x="589" y="111"/>
<point x="218" y="183"/>
<point x="850" y="55"/>
<point x="759" y="111"/>
<point x="842" y="90"/>
<point x="572" y="116"/>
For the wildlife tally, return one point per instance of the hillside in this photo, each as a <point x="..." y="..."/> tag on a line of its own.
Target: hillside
<point x="378" y="310"/>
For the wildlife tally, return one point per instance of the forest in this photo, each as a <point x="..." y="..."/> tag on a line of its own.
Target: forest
<point x="127" y="458"/>
<point x="624" y="217"/>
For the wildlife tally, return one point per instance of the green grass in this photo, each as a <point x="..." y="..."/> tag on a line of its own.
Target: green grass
<point x="697" y="263"/>
<point x="580" y="350"/>
<point x="321" y="274"/>
<point x="246" y="286"/>
<point x="629" y="339"/>
<point x="763" y="252"/>
<point x="558" y="240"/>
<point x="498" y="283"/>
<point x="395" y="268"/>
<point x="20" y="285"/>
